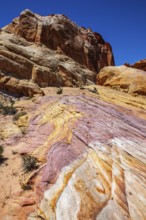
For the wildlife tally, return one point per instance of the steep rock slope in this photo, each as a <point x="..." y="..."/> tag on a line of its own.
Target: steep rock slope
<point x="57" y="31"/>
<point x="91" y="151"/>
<point x="123" y="78"/>
<point x="37" y="51"/>
<point x="26" y="66"/>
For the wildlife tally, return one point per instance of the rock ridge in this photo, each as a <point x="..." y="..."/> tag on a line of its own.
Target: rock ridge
<point x="57" y="31"/>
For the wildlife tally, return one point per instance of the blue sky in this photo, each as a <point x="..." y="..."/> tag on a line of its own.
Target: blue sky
<point x="120" y="22"/>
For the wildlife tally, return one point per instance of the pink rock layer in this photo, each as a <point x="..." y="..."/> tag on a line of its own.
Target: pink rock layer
<point x="91" y="154"/>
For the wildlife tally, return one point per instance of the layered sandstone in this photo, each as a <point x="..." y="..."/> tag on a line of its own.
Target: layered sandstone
<point x="25" y="67"/>
<point x="57" y="31"/>
<point x="89" y="142"/>
<point x="123" y="78"/>
<point x="41" y="51"/>
<point x="91" y="152"/>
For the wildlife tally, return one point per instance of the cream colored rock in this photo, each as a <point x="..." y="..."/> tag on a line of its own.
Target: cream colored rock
<point x="108" y="183"/>
<point x="25" y="66"/>
<point x="123" y="78"/>
<point x="91" y="152"/>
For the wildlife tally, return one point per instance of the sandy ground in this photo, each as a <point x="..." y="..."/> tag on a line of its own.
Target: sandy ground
<point x="10" y="170"/>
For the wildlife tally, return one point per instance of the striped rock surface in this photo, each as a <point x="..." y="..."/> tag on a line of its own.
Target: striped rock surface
<point x="91" y="149"/>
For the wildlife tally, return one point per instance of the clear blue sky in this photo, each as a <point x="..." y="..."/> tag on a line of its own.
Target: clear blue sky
<point x="120" y="22"/>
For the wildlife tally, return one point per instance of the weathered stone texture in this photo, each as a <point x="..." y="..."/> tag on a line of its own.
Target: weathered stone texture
<point x="91" y="150"/>
<point x="23" y="63"/>
<point x="138" y="65"/>
<point x="123" y="78"/>
<point x="57" y="31"/>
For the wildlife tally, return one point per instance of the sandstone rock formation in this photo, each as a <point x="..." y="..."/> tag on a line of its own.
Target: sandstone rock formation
<point x="123" y="78"/>
<point x="69" y="153"/>
<point x="91" y="150"/>
<point x="49" y="51"/>
<point x="138" y="65"/>
<point x="26" y="66"/>
<point x="53" y="31"/>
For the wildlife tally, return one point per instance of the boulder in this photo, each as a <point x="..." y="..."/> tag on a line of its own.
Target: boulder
<point x="123" y="78"/>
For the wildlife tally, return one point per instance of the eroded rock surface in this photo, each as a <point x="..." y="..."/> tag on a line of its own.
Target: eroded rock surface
<point x="25" y="67"/>
<point x="138" y="65"/>
<point x="91" y="150"/>
<point x="123" y="78"/>
<point x="89" y="144"/>
<point x="57" y="32"/>
<point x="41" y="51"/>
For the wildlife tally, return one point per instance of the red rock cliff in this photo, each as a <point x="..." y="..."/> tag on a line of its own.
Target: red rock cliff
<point x="57" y="32"/>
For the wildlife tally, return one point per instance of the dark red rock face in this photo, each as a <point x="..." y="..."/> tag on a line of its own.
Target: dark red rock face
<point x="57" y="32"/>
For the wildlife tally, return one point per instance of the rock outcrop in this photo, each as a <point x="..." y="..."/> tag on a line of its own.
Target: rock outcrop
<point x="68" y="153"/>
<point x="57" y="31"/>
<point x="25" y="67"/>
<point x="138" y="65"/>
<point x="91" y="152"/>
<point x="123" y="78"/>
<point x="49" y="51"/>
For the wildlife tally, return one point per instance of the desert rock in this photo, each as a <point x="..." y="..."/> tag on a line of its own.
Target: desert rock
<point x="91" y="153"/>
<point x="72" y="150"/>
<point x="23" y="63"/>
<point x="138" y="65"/>
<point x="83" y="45"/>
<point x="123" y="78"/>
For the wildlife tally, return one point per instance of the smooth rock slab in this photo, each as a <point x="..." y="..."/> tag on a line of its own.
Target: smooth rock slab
<point x="91" y="154"/>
